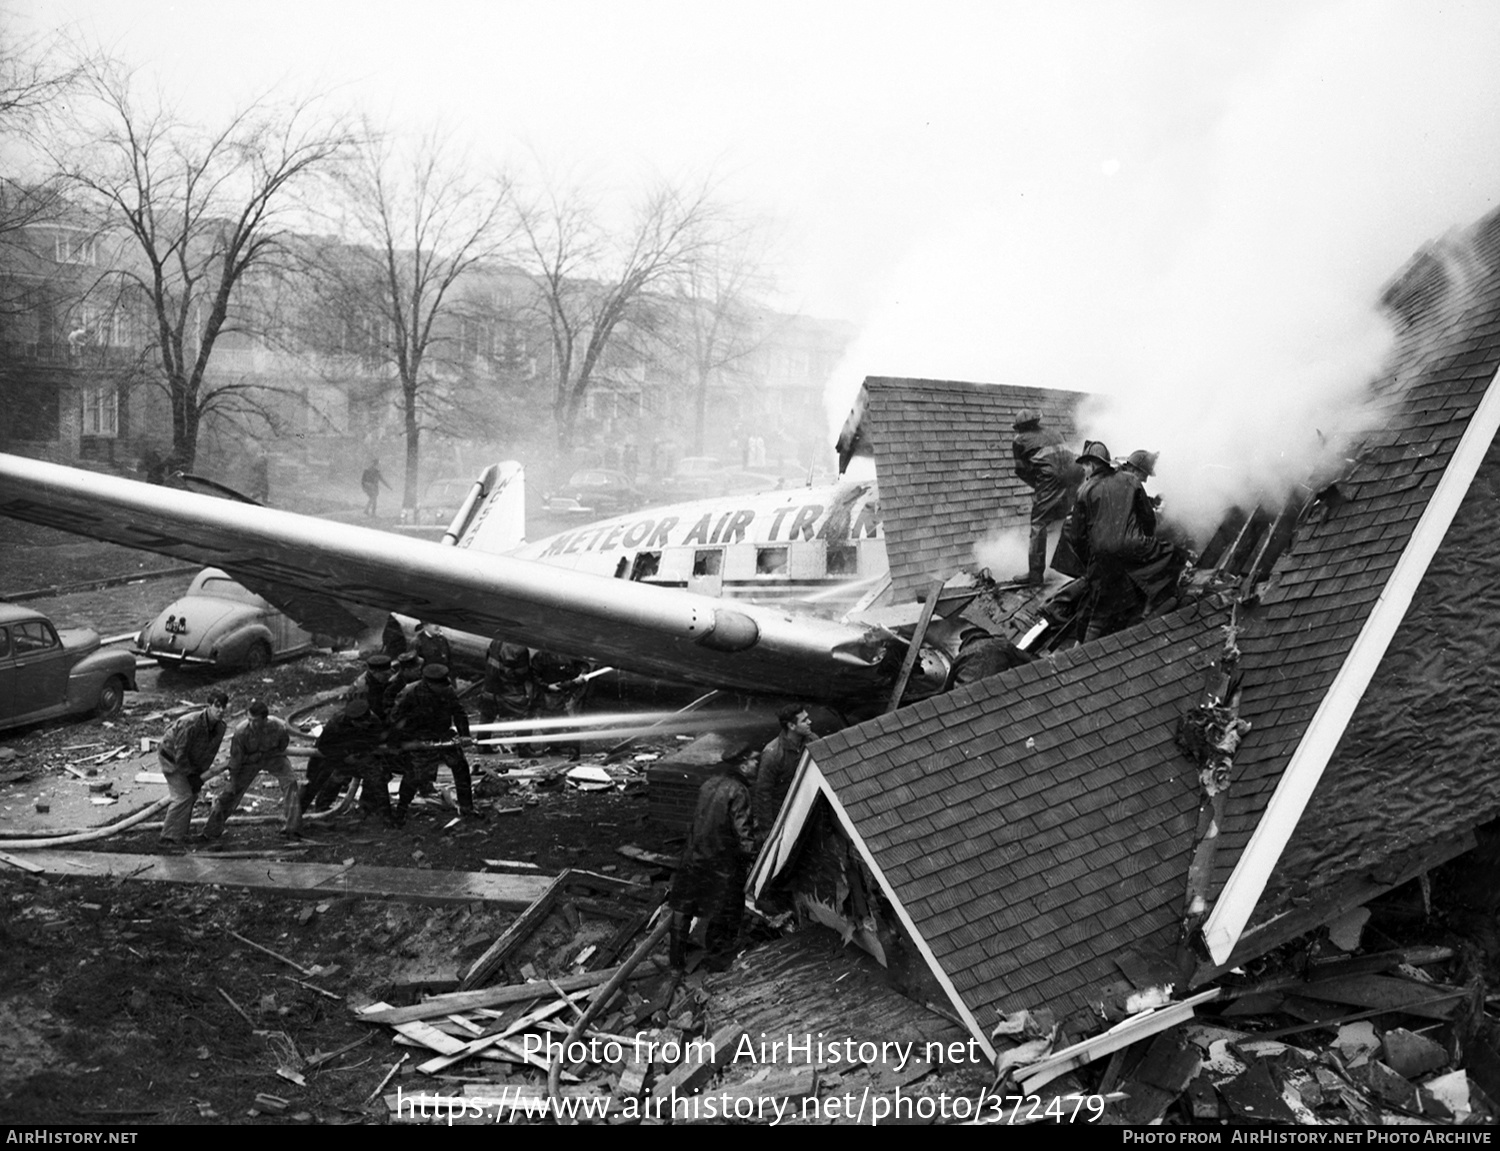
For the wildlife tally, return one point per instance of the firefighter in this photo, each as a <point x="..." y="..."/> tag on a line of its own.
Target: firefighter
<point x="428" y="712"/>
<point x="1116" y="527"/>
<point x="1049" y="469"/>
<point x="345" y="750"/>
<point x="371" y="685"/>
<point x="509" y="691"/>
<point x="710" y="879"/>
<point x="561" y="685"/>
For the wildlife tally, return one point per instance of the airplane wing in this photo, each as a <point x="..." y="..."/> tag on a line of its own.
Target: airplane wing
<point x="661" y="632"/>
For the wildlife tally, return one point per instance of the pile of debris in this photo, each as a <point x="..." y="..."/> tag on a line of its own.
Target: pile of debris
<point x="1370" y="1039"/>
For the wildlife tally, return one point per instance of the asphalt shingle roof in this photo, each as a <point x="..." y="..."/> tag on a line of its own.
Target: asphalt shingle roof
<point x="1037" y="826"/>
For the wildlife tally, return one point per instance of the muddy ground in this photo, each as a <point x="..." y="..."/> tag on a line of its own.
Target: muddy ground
<point x="116" y="1003"/>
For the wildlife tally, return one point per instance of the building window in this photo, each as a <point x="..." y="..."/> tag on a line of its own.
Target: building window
<point x="101" y="411"/>
<point x="70" y="248"/>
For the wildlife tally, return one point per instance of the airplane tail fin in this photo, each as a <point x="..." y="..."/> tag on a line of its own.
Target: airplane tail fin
<point x="492" y="517"/>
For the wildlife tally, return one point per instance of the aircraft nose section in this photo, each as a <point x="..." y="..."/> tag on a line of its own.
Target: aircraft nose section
<point x="726" y="630"/>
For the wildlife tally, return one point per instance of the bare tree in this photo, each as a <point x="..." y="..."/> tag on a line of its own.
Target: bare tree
<point x="197" y="215"/>
<point x="591" y="281"/>
<point x="36" y="75"/>
<point x="417" y="225"/>
<point x="720" y="319"/>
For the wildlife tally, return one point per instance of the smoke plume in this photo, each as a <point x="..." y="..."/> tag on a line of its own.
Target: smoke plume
<point x="1203" y="246"/>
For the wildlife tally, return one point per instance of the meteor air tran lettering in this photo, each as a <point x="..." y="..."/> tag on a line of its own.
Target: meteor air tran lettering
<point x="750" y="594"/>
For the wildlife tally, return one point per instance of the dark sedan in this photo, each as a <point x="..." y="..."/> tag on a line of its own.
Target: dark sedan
<point x="599" y="491"/>
<point x="45" y="672"/>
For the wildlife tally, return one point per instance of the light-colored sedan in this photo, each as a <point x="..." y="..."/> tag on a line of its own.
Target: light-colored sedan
<point x="220" y="623"/>
<point x="46" y="673"/>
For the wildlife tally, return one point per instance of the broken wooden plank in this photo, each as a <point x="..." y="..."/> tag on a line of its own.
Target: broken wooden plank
<point x="389" y="1075"/>
<point x="621" y="939"/>
<point x="1385" y="993"/>
<point x="602" y="908"/>
<point x="1138" y="1027"/>
<point x="929" y="605"/>
<point x="514" y="935"/>
<point x="462" y="1050"/>
<point x="273" y="954"/>
<point x="430" y="1037"/>
<point x="691" y="1074"/>
<point x="650" y="858"/>
<point x="19" y="863"/>
<point x="580" y="877"/>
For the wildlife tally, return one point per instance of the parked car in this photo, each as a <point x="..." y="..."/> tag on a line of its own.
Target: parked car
<point x="700" y="477"/>
<point x="442" y="499"/>
<point x="45" y="672"/>
<point x="221" y="623"/>
<point x="600" y="491"/>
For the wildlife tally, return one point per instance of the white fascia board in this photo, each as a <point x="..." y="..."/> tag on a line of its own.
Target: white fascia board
<point x="1242" y="892"/>
<point x="795" y="809"/>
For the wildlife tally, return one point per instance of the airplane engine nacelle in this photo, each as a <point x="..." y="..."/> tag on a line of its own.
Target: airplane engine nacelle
<point x="726" y="630"/>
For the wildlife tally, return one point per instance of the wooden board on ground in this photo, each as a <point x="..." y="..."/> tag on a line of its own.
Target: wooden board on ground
<point x="1387" y="994"/>
<point x="410" y="885"/>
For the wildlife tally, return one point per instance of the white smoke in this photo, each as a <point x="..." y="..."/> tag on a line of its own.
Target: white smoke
<point x="1213" y="279"/>
<point x="1005" y="552"/>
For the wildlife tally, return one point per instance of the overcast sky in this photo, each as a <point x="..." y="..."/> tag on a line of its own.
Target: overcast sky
<point x="1161" y="200"/>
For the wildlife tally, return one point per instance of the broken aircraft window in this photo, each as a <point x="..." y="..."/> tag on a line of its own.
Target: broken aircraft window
<point x="708" y="561"/>
<point x="843" y="559"/>
<point x="646" y="565"/>
<point x="770" y="561"/>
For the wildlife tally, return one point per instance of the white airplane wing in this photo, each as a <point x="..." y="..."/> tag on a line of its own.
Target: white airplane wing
<point x="662" y="632"/>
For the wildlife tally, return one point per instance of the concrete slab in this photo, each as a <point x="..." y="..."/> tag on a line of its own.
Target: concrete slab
<point x="305" y="879"/>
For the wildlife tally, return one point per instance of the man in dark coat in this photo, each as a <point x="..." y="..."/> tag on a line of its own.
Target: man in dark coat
<point x="431" y="645"/>
<point x="428" y="711"/>
<point x="371" y="481"/>
<point x="185" y="753"/>
<point x="560" y="690"/>
<point x="371" y="684"/>
<point x="1095" y="462"/>
<point x="1115" y="528"/>
<point x="710" y="879"/>
<point x="981" y="655"/>
<point x="509" y="692"/>
<point x="393" y="637"/>
<point x="778" y="763"/>
<point x="259" y="744"/>
<point x="346" y="750"/>
<point x="1049" y="469"/>
<point x="406" y="669"/>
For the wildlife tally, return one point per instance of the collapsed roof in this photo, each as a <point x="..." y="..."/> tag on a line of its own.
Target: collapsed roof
<point x="1032" y="833"/>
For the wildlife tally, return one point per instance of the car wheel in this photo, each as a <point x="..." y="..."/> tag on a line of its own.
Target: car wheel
<point x="259" y="655"/>
<point x="111" y="698"/>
